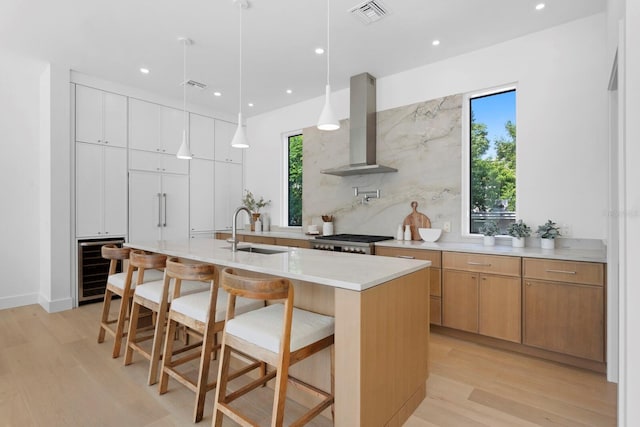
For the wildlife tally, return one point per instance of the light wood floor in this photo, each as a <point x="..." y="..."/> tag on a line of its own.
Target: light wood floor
<point x="53" y="373"/>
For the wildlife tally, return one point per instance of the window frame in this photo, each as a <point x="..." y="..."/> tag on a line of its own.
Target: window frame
<point x="285" y="178"/>
<point x="465" y="191"/>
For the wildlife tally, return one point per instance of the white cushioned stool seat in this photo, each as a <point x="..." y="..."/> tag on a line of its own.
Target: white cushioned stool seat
<point x="263" y="327"/>
<point x="152" y="291"/>
<point x="150" y="275"/>
<point x="196" y="306"/>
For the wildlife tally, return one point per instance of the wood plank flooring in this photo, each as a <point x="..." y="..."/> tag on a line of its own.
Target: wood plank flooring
<point x="53" y="373"/>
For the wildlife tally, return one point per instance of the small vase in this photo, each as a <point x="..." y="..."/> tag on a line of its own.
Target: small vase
<point x="548" y="243"/>
<point x="254" y="218"/>
<point x="489" y="240"/>
<point x="517" y="242"/>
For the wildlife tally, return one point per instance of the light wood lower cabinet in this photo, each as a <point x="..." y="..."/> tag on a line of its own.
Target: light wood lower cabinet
<point x="435" y="280"/>
<point x="565" y="314"/>
<point x="482" y="294"/>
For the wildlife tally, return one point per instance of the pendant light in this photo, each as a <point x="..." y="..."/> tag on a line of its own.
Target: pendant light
<point x="240" y="137"/>
<point x="184" y="152"/>
<point x="328" y="119"/>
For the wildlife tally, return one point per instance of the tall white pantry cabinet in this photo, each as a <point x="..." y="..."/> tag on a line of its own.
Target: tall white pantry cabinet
<point x="128" y="180"/>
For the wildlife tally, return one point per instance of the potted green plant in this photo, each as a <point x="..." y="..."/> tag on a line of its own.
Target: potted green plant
<point x="250" y="202"/>
<point x="489" y="229"/>
<point x="548" y="232"/>
<point x="519" y="231"/>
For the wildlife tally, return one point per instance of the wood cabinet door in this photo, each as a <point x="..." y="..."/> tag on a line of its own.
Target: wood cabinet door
<point x="88" y="114"/>
<point x="144" y="125"/>
<point x="460" y="300"/>
<point x="564" y="317"/>
<point x="499" y="307"/>
<point x="172" y="125"/>
<point x="201" y="195"/>
<point x="202" y="136"/>
<point x="115" y="119"/>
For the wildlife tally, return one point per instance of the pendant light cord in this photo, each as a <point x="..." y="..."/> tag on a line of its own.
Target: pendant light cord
<point x="240" y="90"/>
<point x="328" y="48"/>
<point x="184" y="84"/>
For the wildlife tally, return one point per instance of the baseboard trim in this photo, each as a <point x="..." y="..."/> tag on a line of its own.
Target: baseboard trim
<point x="55" y="305"/>
<point x="18" y="301"/>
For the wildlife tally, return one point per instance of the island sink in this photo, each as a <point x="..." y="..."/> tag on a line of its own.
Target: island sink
<point x="261" y="250"/>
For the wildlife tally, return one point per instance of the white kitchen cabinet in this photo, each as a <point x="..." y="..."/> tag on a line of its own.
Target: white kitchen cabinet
<point x="157" y="162"/>
<point x="101" y="190"/>
<point x="224" y="132"/>
<point x="201" y="195"/>
<point x="158" y="206"/>
<point x="101" y="117"/>
<point x="154" y="127"/>
<point x="202" y="136"/>
<point x="228" y="193"/>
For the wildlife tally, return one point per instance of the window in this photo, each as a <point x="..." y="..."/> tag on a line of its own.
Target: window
<point x="492" y="159"/>
<point x="294" y="181"/>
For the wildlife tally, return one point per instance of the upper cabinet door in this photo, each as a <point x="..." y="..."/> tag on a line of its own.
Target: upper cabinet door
<point x="171" y="126"/>
<point x="202" y="136"/>
<point x="89" y="209"/>
<point x="144" y="125"/>
<point x="89" y="115"/>
<point x="115" y="119"/>
<point x="101" y="117"/>
<point x="224" y="134"/>
<point x="115" y="191"/>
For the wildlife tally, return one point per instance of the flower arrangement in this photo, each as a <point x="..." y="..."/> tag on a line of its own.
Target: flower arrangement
<point x="489" y="228"/>
<point x="250" y="202"/>
<point x="519" y="229"/>
<point x="549" y="230"/>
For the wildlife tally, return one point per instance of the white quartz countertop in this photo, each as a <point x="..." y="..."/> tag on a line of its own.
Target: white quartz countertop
<point x="282" y="234"/>
<point x="336" y="269"/>
<point x="567" y="254"/>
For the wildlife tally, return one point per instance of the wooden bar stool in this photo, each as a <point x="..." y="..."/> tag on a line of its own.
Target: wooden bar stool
<point x="279" y="334"/>
<point x="121" y="284"/>
<point x="203" y="313"/>
<point x="155" y="296"/>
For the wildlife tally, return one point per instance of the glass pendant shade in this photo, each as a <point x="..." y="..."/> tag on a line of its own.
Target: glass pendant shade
<point x="240" y="137"/>
<point x="328" y="119"/>
<point x="184" y="153"/>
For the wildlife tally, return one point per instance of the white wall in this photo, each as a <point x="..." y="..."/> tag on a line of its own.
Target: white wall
<point x="562" y="120"/>
<point x="19" y="174"/>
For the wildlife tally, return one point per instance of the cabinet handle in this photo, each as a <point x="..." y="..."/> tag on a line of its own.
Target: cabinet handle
<point x="99" y="140"/>
<point x="561" y="271"/>
<point x="484" y="264"/>
<point x="406" y="256"/>
<point x="159" y="210"/>
<point x="165" y="209"/>
<point x="105" y="141"/>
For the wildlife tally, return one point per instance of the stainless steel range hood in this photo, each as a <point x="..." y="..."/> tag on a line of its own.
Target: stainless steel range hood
<point x="362" y="132"/>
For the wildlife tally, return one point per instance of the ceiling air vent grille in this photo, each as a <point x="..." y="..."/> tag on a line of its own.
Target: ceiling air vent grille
<point x="369" y="11"/>
<point x="194" y="83"/>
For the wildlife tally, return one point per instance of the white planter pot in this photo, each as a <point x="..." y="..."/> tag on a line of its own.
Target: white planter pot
<point x="517" y="242"/>
<point x="547" y="243"/>
<point x="489" y="240"/>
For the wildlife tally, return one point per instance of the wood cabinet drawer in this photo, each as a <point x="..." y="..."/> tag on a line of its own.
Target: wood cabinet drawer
<point x="495" y="264"/>
<point x="259" y="239"/>
<point x="223" y="236"/>
<point x="294" y="243"/>
<point x="587" y="273"/>
<point x="428" y="255"/>
<point x="435" y="282"/>
<point x="435" y="311"/>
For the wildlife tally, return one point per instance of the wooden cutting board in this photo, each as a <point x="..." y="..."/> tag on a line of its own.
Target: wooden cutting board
<point x="416" y="220"/>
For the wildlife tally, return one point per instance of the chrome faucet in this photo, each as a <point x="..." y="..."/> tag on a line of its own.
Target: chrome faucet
<point x="234" y="226"/>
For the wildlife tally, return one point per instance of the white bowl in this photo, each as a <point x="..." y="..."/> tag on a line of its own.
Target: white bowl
<point x="430" y="234"/>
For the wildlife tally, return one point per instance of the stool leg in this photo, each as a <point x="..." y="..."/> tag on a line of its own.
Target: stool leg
<point x="106" y="306"/>
<point x="157" y="344"/>
<point x="280" y="390"/>
<point x="221" y="388"/>
<point x="131" y="335"/>
<point x="122" y="315"/>
<point x="167" y="355"/>
<point x="203" y="377"/>
<point x="333" y="381"/>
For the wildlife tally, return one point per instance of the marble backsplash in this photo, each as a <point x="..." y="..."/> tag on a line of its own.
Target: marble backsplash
<point x="423" y="141"/>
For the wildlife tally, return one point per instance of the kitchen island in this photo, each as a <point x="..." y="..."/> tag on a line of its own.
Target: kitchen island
<point x="381" y="309"/>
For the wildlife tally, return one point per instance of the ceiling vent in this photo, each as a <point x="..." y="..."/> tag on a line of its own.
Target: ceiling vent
<point x="369" y="11"/>
<point x="194" y="83"/>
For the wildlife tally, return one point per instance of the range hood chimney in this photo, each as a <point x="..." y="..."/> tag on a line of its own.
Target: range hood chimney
<point x="362" y="132"/>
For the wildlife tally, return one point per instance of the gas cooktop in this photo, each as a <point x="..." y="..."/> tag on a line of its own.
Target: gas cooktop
<point x="357" y="238"/>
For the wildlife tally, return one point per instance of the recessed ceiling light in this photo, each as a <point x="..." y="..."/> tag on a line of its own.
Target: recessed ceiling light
<point x="540" y="6"/>
<point x="289" y="91"/>
<point x="250" y="104"/>
<point x="319" y="51"/>
<point x="144" y="70"/>
<point x="217" y="94"/>
<point x="435" y="42"/>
